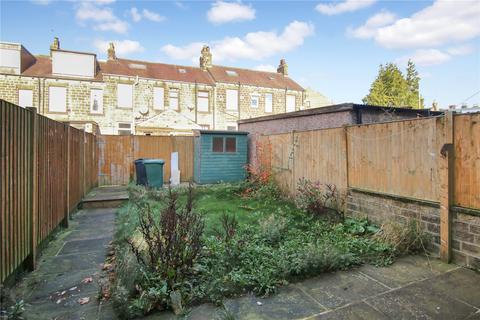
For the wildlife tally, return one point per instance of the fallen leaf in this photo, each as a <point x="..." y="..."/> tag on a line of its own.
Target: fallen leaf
<point x="83" y="301"/>
<point x="72" y="288"/>
<point x="106" y="266"/>
<point x="87" y="280"/>
<point x="63" y="292"/>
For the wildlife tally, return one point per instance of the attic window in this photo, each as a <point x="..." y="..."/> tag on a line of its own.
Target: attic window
<point x="137" y="66"/>
<point x="232" y="73"/>
<point x="182" y="70"/>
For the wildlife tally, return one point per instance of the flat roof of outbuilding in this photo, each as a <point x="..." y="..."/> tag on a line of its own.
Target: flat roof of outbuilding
<point x="339" y="108"/>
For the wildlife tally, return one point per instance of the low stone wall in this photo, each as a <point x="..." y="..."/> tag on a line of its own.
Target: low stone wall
<point x="466" y="237"/>
<point x="380" y="208"/>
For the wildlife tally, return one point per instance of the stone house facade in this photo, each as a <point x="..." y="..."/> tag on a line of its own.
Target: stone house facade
<point x="124" y="96"/>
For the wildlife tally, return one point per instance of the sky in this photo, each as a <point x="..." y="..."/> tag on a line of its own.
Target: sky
<point x="333" y="47"/>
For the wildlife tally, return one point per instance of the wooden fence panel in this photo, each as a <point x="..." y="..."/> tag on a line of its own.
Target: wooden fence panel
<point x="15" y="218"/>
<point x="116" y="155"/>
<point x="24" y="225"/>
<point x="115" y="159"/>
<point x="467" y="160"/>
<point x="321" y="156"/>
<point x="398" y="158"/>
<point x="52" y="161"/>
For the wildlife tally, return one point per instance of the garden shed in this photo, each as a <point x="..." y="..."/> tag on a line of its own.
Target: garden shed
<point x="220" y="156"/>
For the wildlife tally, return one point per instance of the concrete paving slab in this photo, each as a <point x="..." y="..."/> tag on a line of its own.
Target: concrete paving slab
<point x="461" y="284"/>
<point x="406" y="270"/>
<point x="85" y="245"/>
<point x="72" y="263"/>
<point x="419" y="301"/>
<point x="357" y="311"/>
<point x="333" y="290"/>
<point x="290" y="303"/>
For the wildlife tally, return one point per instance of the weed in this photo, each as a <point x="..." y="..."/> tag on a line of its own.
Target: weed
<point x="321" y="200"/>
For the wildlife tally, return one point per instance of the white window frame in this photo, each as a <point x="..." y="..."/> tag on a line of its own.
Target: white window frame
<point x="174" y="95"/>
<point x="203" y="101"/>
<point x="232" y="99"/>
<point x="96" y="93"/>
<point x="57" y="99"/>
<point x="268" y="103"/>
<point x="123" y="129"/>
<point x="25" y="98"/>
<point x="124" y="96"/>
<point x="289" y="106"/>
<point x="158" y="98"/>
<point x="255" y="100"/>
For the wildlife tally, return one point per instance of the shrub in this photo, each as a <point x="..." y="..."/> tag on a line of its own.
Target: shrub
<point x="318" y="199"/>
<point x="166" y="246"/>
<point x="404" y="239"/>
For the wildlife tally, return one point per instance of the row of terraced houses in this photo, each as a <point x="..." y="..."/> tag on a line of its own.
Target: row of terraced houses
<point x="121" y="96"/>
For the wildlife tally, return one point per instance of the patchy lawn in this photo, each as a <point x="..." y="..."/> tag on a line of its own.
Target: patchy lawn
<point x="230" y="243"/>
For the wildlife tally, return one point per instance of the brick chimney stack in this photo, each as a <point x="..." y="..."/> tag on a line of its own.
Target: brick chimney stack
<point x="283" y="68"/>
<point x="205" y="58"/>
<point x="111" y="51"/>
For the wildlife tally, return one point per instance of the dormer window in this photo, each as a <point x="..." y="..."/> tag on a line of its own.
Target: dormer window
<point x="232" y="73"/>
<point x="182" y="70"/>
<point x="73" y="64"/>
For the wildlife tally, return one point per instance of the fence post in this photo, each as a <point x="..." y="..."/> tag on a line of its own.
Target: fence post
<point x="84" y="186"/>
<point x="67" y="179"/>
<point x="32" y="259"/>
<point x="345" y="135"/>
<point x="446" y="168"/>
<point x="293" y="164"/>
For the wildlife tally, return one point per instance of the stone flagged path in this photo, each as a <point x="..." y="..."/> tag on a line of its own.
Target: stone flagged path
<point x="414" y="287"/>
<point x="69" y="270"/>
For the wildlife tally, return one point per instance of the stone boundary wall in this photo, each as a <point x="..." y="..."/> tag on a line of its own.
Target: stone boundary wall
<point x="379" y="208"/>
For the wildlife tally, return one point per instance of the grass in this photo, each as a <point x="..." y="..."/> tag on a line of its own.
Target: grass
<point x="272" y="243"/>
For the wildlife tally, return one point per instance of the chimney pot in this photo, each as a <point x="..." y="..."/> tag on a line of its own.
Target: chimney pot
<point x="111" y="51"/>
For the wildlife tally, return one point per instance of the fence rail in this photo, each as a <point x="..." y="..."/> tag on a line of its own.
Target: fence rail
<point x="434" y="159"/>
<point x="46" y="168"/>
<point x="116" y="155"/>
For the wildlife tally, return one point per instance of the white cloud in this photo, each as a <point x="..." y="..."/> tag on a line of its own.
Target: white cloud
<point x="147" y="14"/>
<point x="189" y="52"/>
<point x="153" y="16"/>
<point x="103" y="17"/>
<point x="342" y="7"/>
<point x="373" y="23"/>
<point x="122" y="47"/>
<point x="41" y="2"/>
<point x="460" y="50"/>
<point x="426" y="57"/>
<point x="254" y="45"/>
<point x="266" y="67"/>
<point x="136" y="16"/>
<point x="222" y="12"/>
<point x="442" y="23"/>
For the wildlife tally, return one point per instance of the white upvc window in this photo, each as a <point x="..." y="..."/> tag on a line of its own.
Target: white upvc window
<point x="173" y="99"/>
<point x="25" y="98"/>
<point x="57" y="99"/>
<point x="124" y="96"/>
<point x="254" y="100"/>
<point x="202" y="101"/>
<point x="96" y="101"/>
<point x="124" y="128"/>
<point x="268" y="102"/>
<point x="158" y="98"/>
<point x="232" y="100"/>
<point x="290" y="103"/>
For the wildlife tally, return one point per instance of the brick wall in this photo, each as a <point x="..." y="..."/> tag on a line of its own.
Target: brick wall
<point x="466" y="237"/>
<point x="380" y="208"/>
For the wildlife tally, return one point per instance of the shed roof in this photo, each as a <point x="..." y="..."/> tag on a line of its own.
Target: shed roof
<point x="343" y="107"/>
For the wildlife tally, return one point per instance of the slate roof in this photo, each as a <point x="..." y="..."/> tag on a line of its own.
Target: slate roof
<point x="125" y="67"/>
<point x="253" y="77"/>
